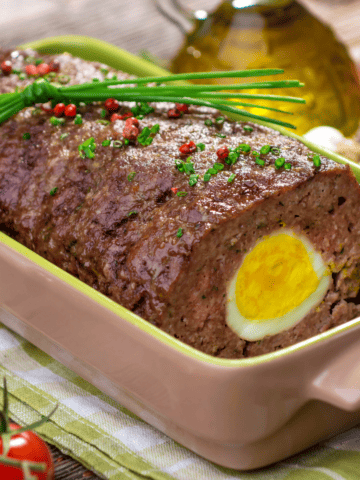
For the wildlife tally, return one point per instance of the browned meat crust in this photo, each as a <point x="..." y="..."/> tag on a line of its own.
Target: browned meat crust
<point x="120" y="235"/>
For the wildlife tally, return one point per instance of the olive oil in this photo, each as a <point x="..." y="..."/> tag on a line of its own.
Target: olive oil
<point x="244" y="34"/>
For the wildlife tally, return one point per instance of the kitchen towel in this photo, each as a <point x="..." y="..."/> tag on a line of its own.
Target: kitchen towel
<point x="108" y="439"/>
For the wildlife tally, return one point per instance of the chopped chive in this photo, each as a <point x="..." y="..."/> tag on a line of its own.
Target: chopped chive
<point x="87" y="148"/>
<point x="179" y="233"/>
<point x="78" y="119"/>
<point x="287" y="166"/>
<point x="102" y="121"/>
<point x="64" y="79"/>
<point x="103" y="113"/>
<point x="131" y="176"/>
<point x="106" y="143"/>
<point x="181" y="194"/>
<point x="231" y="178"/>
<point x="155" y="129"/>
<point x="265" y="149"/>
<point x="26" y="136"/>
<point x="179" y="165"/>
<point x="275" y="150"/>
<point x="247" y="128"/>
<point x="193" y="179"/>
<point x="53" y="191"/>
<point x="220" y="135"/>
<point x="57" y="121"/>
<point x="133" y="212"/>
<point x="64" y="135"/>
<point x="126" y="141"/>
<point x="38" y="61"/>
<point x="140" y="117"/>
<point x="95" y="80"/>
<point x="317" y="160"/>
<point x="220" y="120"/>
<point x="117" y="144"/>
<point x="104" y="71"/>
<point x="245" y="147"/>
<point x="218" y="166"/>
<point x="259" y="161"/>
<point x="279" y="162"/>
<point x="200" y="146"/>
<point x="207" y="177"/>
<point x="189" y="168"/>
<point x="212" y="171"/>
<point x="208" y="122"/>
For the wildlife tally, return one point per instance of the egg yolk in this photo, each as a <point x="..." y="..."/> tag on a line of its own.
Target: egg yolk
<point x="275" y="277"/>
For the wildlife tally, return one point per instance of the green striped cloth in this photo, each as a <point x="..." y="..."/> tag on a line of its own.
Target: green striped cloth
<point x="110" y="440"/>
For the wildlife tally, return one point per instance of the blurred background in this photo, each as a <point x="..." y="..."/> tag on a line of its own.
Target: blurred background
<point x="314" y="41"/>
<point x="134" y="24"/>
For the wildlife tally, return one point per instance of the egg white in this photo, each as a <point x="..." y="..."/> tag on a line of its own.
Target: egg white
<point x="252" y="330"/>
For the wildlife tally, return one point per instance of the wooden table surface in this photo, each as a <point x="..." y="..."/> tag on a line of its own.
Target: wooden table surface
<point x="135" y="29"/>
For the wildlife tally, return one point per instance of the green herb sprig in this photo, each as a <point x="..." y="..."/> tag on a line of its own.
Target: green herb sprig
<point x="42" y="91"/>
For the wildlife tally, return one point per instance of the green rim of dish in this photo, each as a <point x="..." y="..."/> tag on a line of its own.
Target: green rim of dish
<point x="93" y="49"/>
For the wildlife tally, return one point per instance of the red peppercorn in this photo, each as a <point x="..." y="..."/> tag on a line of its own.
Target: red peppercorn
<point x="59" y="109"/>
<point x="130" y="132"/>
<point x="6" y="67"/>
<point x="111" y="105"/>
<point x="174" y="189"/>
<point x="188" y="148"/>
<point x="42" y="69"/>
<point x="31" y="70"/>
<point x="126" y="115"/>
<point x="174" y="113"/>
<point x="70" y="110"/>
<point x="222" y="153"/>
<point x="45" y="107"/>
<point x="115" y="117"/>
<point x="182" y="107"/>
<point x="132" y="121"/>
<point x="54" y="66"/>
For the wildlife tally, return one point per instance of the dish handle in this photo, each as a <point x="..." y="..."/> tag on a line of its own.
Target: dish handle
<point x="339" y="383"/>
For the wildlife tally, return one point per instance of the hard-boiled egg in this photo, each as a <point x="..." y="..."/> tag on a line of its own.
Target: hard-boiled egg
<point x="279" y="281"/>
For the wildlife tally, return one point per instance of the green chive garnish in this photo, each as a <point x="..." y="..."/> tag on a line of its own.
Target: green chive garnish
<point x="87" y="148"/>
<point x="287" y="166"/>
<point x="26" y="136"/>
<point x="131" y="176"/>
<point x="231" y="178"/>
<point x="275" y="150"/>
<point x="265" y="149"/>
<point x="279" y="162"/>
<point x="317" y="160"/>
<point x="193" y="179"/>
<point x="208" y="122"/>
<point x="212" y="171"/>
<point x="181" y="194"/>
<point x="78" y="119"/>
<point x="133" y="212"/>
<point x="207" y="177"/>
<point x="53" y="191"/>
<point x="220" y="120"/>
<point x="218" y="166"/>
<point x="220" y="135"/>
<point x="200" y="146"/>
<point x="215" y="96"/>
<point x="56" y="121"/>
<point x="245" y="147"/>
<point x="247" y="128"/>
<point x="259" y="161"/>
<point x="64" y="135"/>
<point x="117" y="144"/>
<point x="106" y="143"/>
<point x="103" y="113"/>
<point x="179" y="233"/>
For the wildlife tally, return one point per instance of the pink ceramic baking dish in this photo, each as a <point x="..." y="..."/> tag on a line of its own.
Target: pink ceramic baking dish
<point x="239" y="413"/>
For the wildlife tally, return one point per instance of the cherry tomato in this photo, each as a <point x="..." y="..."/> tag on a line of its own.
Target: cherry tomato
<point x="26" y="446"/>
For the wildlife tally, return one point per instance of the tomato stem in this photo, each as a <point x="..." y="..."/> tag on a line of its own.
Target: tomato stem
<point x="36" y="466"/>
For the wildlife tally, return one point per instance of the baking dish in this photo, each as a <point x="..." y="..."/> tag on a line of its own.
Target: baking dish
<point x="239" y="413"/>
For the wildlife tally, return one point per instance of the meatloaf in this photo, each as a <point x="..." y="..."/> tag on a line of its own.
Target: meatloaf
<point x="128" y="223"/>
